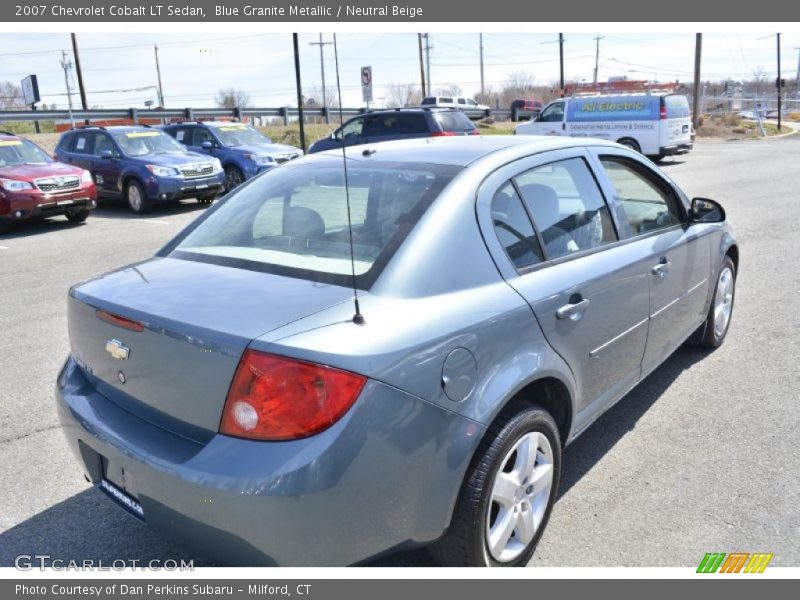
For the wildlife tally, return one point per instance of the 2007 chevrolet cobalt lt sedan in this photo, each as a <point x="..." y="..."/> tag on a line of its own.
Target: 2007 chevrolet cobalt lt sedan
<point x="230" y="393"/>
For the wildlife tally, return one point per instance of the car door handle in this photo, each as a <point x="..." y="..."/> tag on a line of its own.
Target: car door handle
<point x="662" y="268"/>
<point x="573" y="310"/>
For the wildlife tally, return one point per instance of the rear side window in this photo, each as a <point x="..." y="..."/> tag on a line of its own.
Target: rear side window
<point x="427" y="101"/>
<point x="199" y="135"/>
<point x="444" y="100"/>
<point x="648" y="204"/>
<point x="84" y="143"/>
<point x="182" y="135"/>
<point x="381" y="125"/>
<point x="677" y="106"/>
<point x="413" y="123"/>
<point x="567" y="207"/>
<point x="514" y="229"/>
<point x="454" y="121"/>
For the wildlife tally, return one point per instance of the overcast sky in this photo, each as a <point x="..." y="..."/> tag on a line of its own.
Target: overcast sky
<point x="193" y="68"/>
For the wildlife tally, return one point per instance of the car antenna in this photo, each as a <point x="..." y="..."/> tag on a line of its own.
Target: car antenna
<point x="358" y="318"/>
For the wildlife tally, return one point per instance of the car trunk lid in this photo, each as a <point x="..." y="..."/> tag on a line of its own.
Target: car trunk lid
<point x="196" y="318"/>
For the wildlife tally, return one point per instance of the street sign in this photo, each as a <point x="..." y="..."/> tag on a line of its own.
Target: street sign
<point x="366" y="84"/>
<point x="30" y="90"/>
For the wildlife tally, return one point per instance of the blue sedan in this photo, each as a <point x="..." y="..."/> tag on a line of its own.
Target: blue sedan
<point x="390" y="356"/>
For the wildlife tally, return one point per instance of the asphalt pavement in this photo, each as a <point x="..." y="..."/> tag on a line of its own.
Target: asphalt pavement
<point x="703" y="456"/>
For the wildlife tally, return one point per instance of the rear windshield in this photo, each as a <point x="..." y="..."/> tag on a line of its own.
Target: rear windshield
<point x="454" y="121"/>
<point x="293" y="220"/>
<point x="677" y="106"/>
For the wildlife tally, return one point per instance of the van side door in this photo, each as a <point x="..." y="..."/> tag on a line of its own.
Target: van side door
<point x="552" y="120"/>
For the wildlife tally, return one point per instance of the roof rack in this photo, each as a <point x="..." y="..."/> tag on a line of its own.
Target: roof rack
<point x="9" y="133"/>
<point x="619" y="87"/>
<point x="88" y="127"/>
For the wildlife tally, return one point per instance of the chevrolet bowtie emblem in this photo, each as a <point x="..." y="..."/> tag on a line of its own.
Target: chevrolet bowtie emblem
<point x="117" y="349"/>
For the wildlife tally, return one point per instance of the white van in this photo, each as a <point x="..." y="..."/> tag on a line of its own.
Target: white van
<point x="472" y="109"/>
<point x="655" y="124"/>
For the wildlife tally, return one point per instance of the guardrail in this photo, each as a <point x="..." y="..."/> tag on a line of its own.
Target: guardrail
<point x="135" y="114"/>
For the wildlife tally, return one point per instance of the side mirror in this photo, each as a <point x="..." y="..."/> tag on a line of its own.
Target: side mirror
<point x="106" y="154"/>
<point x="707" y="211"/>
<point x="207" y="145"/>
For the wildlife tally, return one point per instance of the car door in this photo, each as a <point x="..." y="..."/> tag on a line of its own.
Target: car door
<point x="106" y="171"/>
<point x="352" y="133"/>
<point x="199" y="135"/>
<point x="560" y="253"/>
<point x="80" y="149"/>
<point x="677" y="261"/>
<point x="551" y="120"/>
<point x="183" y="135"/>
<point x="413" y="125"/>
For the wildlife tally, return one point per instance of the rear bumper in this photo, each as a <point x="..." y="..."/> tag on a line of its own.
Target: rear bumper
<point x="676" y="149"/>
<point x="30" y="205"/>
<point x="385" y="476"/>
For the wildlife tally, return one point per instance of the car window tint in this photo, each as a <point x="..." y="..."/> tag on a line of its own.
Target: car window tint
<point x="455" y="121"/>
<point x="553" y="113"/>
<point x="200" y="135"/>
<point x="183" y="135"/>
<point x="462" y="101"/>
<point x="648" y="206"/>
<point x="351" y="129"/>
<point x="428" y="100"/>
<point x="444" y="100"/>
<point x="413" y="123"/>
<point x="103" y="143"/>
<point x="567" y="207"/>
<point x="84" y="143"/>
<point x="514" y="229"/>
<point x="381" y="125"/>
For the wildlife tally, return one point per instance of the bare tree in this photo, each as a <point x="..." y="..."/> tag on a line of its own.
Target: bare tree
<point x="11" y="96"/>
<point x="402" y="94"/>
<point x="518" y="84"/>
<point x="759" y="78"/>
<point x="232" y="98"/>
<point x="314" y="97"/>
<point x="450" y="90"/>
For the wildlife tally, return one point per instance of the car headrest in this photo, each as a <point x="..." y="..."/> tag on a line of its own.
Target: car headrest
<point x="544" y="204"/>
<point x="302" y="222"/>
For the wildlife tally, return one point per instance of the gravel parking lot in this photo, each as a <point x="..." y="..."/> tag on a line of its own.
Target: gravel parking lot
<point x="703" y="456"/>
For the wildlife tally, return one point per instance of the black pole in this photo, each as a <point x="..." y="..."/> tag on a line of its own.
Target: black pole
<point x="561" y="61"/>
<point x="778" y="82"/>
<point x="698" y="48"/>
<point x="79" y="72"/>
<point x="300" y="116"/>
<point x="35" y="123"/>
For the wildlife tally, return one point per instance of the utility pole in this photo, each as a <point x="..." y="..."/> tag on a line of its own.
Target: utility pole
<point x="483" y="89"/>
<point x="321" y="45"/>
<point x="561" y="62"/>
<point x="597" y="56"/>
<point x="778" y="82"/>
<point x="160" y="87"/>
<point x="67" y="65"/>
<point x="421" y="66"/>
<point x="698" y="46"/>
<point x="797" y="77"/>
<point x="428" y="59"/>
<point x="78" y="71"/>
<point x="300" y="116"/>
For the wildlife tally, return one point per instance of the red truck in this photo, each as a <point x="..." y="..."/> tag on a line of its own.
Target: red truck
<point x="34" y="185"/>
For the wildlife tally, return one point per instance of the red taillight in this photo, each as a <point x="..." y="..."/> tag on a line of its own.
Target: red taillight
<point x="119" y="321"/>
<point x="277" y="398"/>
<point x="663" y="112"/>
<point x="443" y="133"/>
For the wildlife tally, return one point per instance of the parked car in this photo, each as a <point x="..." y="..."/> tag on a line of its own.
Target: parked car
<point x="396" y="124"/>
<point x="522" y="110"/>
<point x="473" y="109"/>
<point x="509" y="291"/>
<point x="33" y="185"/>
<point x="657" y="124"/>
<point x="141" y="164"/>
<point x="242" y="149"/>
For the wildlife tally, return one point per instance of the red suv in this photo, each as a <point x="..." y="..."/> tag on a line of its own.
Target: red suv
<point x="34" y="185"/>
<point x="525" y="109"/>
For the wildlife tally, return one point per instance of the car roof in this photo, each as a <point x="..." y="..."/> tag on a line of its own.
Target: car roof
<point x="460" y="150"/>
<point x="113" y="128"/>
<point x="10" y="136"/>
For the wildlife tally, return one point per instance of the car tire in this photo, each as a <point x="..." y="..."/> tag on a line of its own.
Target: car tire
<point x="630" y="143"/>
<point x="497" y="523"/>
<point x="137" y="200"/>
<point x="233" y="178"/>
<point x="78" y="216"/>
<point x="714" y="329"/>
